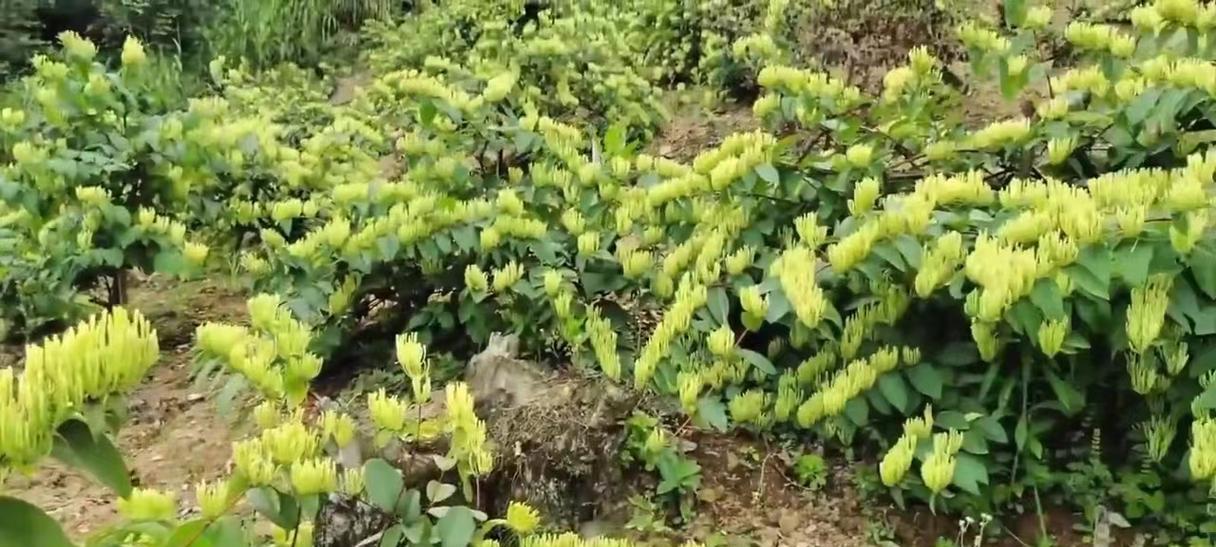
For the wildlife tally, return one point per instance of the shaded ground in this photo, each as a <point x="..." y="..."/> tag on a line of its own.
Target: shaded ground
<point x="174" y="437"/>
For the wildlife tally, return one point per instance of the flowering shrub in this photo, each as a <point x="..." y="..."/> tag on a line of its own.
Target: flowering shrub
<point x="72" y="384"/>
<point x="1062" y="256"/>
<point x="794" y="263"/>
<point x="96" y="169"/>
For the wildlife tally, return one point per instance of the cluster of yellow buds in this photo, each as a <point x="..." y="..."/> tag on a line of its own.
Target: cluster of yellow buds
<point x="1037" y="18"/>
<point x="1184" y="239"/>
<point x="507" y="276"/>
<point x="1051" y="336"/>
<point x="827" y="92"/>
<point x="1146" y="312"/>
<point x="468" y="433"/>
<point x="634" y="263"/>
<point x="1004" y="274"/>
<point x="967" y="188"/>
<point x="982" y="39"/>
<point x="852" y="249"/>
<point x="602" y="337"/>
<point x="811" y="371"/>
<point x="107" y="354"/>
<point x="1090" y="79"/>
<point x="1059" y="149"/>
<point x="897" y="461"/>
<point x="1002" y="134"/>
<point x="854" y="380"/>
<point x="795" y="269"/>
<point x="938" y="468"/>
<point x="1202" y="461"/>
<point x="755" y="307"/>
<point x="789" y="397"/>
<point x="739" y="260"/>
<point x="690" y="296"/>
<point x="939" y="261"/>
<point x="411" y="354"/>
<point x="810" y="232"/>
<point x="922" y="68"/>
<point x="751" y="407"/>
<point x="148" y="505"/>
<point x="865" y="193"/>
<point x="276" y="359"/>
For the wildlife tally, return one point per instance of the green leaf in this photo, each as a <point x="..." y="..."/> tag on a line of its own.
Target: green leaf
<point x="1072" y="400"/>
<point x="228" y="532"/>
<point x="926" y="379"/>
<point x="77" y="446"/>
<point x="456" y="527"/>
<point x="952" y="419"/>
<point x="910" y="248"/>
<point x="1097" y="259"/>
<point x="276" y="506"/>
<point x="857" y="411"/>
<point x="1015" y="13"/>
<point x="719" y="305"/>
<point x="1203" y="266"/>
<point x="1088" y="282"/>
<point x="895" y="390"/>
<point x="384" y="484"/>
<point x="992" y="429"/>
<point x="759" y="361"/>
<point x="713" y="411"/>
<point x="1132" y="262"/>
<point x="169" y="262"/>
<point x="959" y="353"/>
<point x="190" y="534"/>
<point x="1021" y="432"/>
<point x="975" y="442"/>
<point x="889" y="253"/>
<point x="1205" y="401"/>
<point x="969" y="473"/>
<point x="393" y="536"/>
<point x="1047" y="296"/>
<point x="438" y="491"/>
<point x="769" y="173"/>
<point x="24" y="525"/>
<point x="614" y="139"/>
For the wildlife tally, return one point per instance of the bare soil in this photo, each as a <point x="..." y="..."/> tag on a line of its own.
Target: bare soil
<point x="174" y="437"/>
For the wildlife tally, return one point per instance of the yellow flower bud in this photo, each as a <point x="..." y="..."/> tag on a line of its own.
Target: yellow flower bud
<point x="1059" y="149"/>
<point x="722" y="341"/>
<point x="213" y="498"/>
<point x="1051" y="336"/>
<point x="522" y="519"/>
<point x="316" y="476"/>
<point x="387" y="413"/>
<point x="148" y="505"/>
<point x="1037" y="18"/>
<point x="133" y="53"/>
<point x="860" y="155"/>
<point x="353" y="482"/>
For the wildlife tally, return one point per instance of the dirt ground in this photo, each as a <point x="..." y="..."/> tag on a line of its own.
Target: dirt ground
<point x="174" y="437"/>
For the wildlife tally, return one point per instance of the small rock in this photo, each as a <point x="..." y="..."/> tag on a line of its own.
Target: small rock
<point x="195" y="397"/>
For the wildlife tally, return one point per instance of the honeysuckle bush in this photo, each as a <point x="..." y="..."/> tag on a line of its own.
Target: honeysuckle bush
<point x="571" y="60"/>
<point x="1064" y="258"/>
<point x="68" y="402"/>
<point x="102" y="172"/>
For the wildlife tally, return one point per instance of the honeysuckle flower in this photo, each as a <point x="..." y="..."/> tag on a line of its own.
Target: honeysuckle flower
<point x="148" y="505"/>
<point x="314" y="476"/>
<point x="133" y="55"/>
<point x="1037" y="18"/>
<point x="521" y="518"/>
<point x="213" y="498"/>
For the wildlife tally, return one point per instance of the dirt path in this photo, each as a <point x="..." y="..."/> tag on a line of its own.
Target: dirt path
<point x="174" y="437"/>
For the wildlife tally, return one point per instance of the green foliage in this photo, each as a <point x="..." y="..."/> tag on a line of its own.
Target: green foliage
<point x="647" y="444"/>
<point x="267" y="32"/>
<point x="811" y="471"/>
<point x="97" y="165"/>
